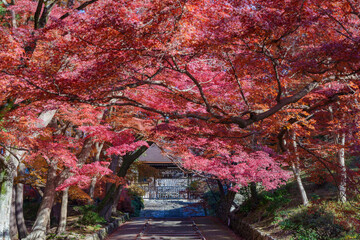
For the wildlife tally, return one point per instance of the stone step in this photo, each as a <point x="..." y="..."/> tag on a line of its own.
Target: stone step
<point x="174" y="229"/>
<point x="170" y="238"/>
<point x="171" y="234"/>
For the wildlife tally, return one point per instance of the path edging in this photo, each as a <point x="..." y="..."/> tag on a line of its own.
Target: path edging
<point x="248" y="231"/>
<point x="104" y="232"/>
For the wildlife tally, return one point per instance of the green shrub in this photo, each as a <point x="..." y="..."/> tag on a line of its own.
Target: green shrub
<point x="312" y="223"/>
<point x="352" y="236"/>
<point x="89" y="216"/>
<point x="211" y="199"/>
<point x="274" y="200"/>
<point x="269" y="200"/>
<point x="137" y="202"/>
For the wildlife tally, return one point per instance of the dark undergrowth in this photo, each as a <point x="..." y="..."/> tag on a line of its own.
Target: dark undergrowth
<point x="280" y="214"/>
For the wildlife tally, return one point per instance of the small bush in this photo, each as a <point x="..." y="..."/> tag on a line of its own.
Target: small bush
<point x="274" y="200"/>
<point x="89" y="216"/>
<point x="211" y="200"/>
<point x="271" y="201"/>
<point x="352" y="236"/>
<point x="135" y="190"/>
<point x="312" y="223"/>
<point x="137" y="202"/>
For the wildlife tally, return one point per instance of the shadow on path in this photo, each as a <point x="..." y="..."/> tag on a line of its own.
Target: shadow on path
<point x="155" y="208"/>
<point x="173" y="220"/>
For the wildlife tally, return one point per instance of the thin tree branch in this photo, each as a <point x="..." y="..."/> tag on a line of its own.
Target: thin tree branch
<point x="81" y="7"/>
<point x="198" y="85"/>
<point x="277" y="77"/>
<point x="238" y="81"/>
<point x="321" y="160"/>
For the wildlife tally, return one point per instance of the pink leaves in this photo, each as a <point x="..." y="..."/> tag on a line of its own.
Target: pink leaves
<point x="58" y="152"/>
<point x="225" y="159"/>
<point x="241" y="168"/>
<point x="122" y="142"/>
<point x="100" y="133"/>
<point x="83" y="175"/>
<point x="125" y="148"/>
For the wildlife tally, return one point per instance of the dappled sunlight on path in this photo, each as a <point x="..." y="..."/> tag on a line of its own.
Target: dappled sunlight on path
<point x="174" y="208"/>
<point x="173" y="220"/>
<point x="199" y="228"/>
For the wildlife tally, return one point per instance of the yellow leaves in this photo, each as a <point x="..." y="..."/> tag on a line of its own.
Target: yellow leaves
<point x="190" y="7"/>
<point x="76" y="193"/>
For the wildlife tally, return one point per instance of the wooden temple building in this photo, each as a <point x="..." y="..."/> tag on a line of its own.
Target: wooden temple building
<point x="169" y="182"/>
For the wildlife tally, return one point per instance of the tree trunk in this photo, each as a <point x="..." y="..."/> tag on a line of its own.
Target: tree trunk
<point x="92" y="190"/>
<point x="225" y="206"/>
<point x="13" y="227"/>
<point x="63" y="212"/>
<point x="297" y="172"/>
<point x="114" y="165"/>
<point x="99" y="147"/>
<point x="7" y="179"/>
<point x="341" y="155"/>
<point x="7" y="184"/>
<point x="225" y="203"/>
<point x="5" y="205"/>
<point x="254" y="193"/>
<point x="38" y="231"/>
<point x="109" y="203"/>
<point x="19" y="202"/>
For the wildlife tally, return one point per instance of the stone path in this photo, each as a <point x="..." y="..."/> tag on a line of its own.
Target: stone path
<point x="173" y="208"/>
<point x="179" y="229"/>
<point x="212" y="229"/>
<point x="173" y="220"/>
<point x="200" y="228"/>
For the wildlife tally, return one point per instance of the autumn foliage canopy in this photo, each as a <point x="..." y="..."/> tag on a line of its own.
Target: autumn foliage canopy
<point x="219" y="84"/>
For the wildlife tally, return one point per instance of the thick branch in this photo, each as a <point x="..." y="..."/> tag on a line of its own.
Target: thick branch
<point x="37" y="13"/>
<point x="202" y="94"/>
<point x="285" y="101"/>
<point x="45" y="15"/>
<point x="81" y="7"/>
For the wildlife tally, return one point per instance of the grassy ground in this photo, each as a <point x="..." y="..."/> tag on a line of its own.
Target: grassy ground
<point x="280" y="214"/>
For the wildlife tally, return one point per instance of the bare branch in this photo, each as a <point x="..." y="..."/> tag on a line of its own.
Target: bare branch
<point x="198" y="85"/>
<point x="202" y="94"/>
<point x="9" y="150"/>
<point x="354" y="10"/>
<point x="322" y="161"/>
<point x="277" y="77"/>
<point x="238" y="81"/>
<point x="349" y="34"/>
<point x="81" y="7"/>
<point x="6" y="4"/>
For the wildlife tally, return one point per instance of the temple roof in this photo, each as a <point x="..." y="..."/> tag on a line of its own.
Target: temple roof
<point x="154" y="155"/>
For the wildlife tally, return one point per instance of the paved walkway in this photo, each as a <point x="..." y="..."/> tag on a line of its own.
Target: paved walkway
<point x="171" y="208"/>
<point x="200" y="228"/>
<point x="212" y="229"/>
<point x="173" y="220"/>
